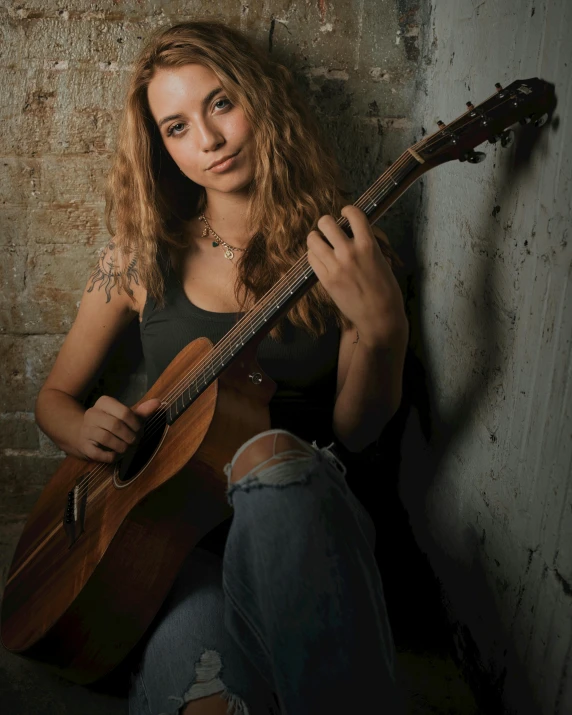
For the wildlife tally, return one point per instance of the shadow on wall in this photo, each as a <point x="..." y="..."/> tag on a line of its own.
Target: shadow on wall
<point x="426" y="437"/>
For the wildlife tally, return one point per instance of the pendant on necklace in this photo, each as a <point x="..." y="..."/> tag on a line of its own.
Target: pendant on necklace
<point x="215" y="244"/>
<point x="229" y="254"/>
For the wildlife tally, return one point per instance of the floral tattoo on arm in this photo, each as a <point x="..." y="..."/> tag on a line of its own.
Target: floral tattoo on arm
<point x="107" y="272"/>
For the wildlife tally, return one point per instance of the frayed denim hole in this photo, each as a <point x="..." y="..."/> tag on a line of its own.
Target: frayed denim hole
<point x="271" y="477"/>
<point x="207" y="682"/>
<point x="278" y="475"/>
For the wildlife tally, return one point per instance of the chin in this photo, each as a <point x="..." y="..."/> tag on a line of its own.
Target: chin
<point x="233" y="184"/>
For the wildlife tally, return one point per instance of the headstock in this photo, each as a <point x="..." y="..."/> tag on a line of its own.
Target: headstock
<point x="525" y="101"/>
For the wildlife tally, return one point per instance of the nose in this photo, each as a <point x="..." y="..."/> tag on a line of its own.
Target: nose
<point x="210" y="137"/>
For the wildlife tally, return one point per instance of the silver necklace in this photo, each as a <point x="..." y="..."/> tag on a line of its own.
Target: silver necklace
<point x="229" y="249"/>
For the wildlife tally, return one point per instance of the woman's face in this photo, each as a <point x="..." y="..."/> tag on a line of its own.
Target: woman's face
<point x="200" y="127"/>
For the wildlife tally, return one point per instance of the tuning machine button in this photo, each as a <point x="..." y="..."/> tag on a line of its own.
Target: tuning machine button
<point x="507" y="138"/>
<point x="539" y="120"/>
<point x="256" y="378"/>
<point x="440" y="123"/>
<point x="473" y="157"/>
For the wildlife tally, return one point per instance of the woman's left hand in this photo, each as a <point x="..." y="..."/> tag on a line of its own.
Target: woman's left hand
<point x="357" y="276"/>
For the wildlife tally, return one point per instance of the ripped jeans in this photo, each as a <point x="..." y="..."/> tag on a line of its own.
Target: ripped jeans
<point x="293" y="620"/>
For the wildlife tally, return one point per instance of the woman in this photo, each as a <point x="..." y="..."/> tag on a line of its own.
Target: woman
<point x="216" y="149"/>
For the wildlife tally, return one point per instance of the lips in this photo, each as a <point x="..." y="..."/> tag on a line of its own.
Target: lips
<point x="221" y="161"/>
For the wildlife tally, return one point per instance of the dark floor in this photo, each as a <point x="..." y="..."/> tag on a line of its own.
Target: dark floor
<point x="431" y="679"/>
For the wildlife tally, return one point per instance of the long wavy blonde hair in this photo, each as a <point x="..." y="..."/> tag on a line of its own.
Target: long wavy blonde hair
<point x="296" y="177"/>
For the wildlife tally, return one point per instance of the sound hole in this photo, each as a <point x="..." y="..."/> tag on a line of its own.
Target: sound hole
<point x="140" y="452"/>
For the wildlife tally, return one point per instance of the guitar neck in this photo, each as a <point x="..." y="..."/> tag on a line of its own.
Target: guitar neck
<point x="258" y="321"/>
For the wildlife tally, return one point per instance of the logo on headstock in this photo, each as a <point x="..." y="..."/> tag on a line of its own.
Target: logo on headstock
<point x="525" y="89"/>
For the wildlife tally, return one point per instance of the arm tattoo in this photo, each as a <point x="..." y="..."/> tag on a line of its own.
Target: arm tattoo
<point x="107" y="272"/>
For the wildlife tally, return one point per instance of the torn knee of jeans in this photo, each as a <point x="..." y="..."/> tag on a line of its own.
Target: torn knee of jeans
<point x="279" y="474"/>
<point x="301" y="453"/>
<point x="208" y="682"/>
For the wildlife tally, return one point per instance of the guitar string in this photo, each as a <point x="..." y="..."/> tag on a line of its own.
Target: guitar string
<point x="188" y="379"/>
<point x="376" y="186"/>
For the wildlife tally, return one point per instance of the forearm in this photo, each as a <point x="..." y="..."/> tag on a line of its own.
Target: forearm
<point x="60" y="417"/>
<point x="371" y="393"/>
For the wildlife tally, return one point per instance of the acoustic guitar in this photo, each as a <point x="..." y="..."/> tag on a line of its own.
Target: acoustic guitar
<point x="104" y="542"/>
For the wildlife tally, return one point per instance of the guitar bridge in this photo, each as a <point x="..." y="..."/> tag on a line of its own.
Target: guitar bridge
<point x="74" y="512"/>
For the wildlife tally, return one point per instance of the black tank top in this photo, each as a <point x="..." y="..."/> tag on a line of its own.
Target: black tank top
<point x="304" y="368"/>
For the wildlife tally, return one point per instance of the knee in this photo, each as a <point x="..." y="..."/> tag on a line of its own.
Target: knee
<point x="210" y="705"/>
<point x="267" y="449"/>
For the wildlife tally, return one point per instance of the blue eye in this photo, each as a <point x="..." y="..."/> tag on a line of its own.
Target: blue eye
<point x="171" y="129"/>
<point x="222" y="100"/>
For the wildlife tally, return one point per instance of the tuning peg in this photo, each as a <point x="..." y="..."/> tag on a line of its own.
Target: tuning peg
<point x="507" y="138"/>
<point x="473" y="157"/>
<point x="494" y="139"/>
<point x="470" y="105"/>
<point x="440" y="123"/>
<point x="498" y="86"/>
<point x="539" y="121"/>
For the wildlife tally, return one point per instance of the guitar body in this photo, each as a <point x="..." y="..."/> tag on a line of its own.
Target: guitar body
<point x="86" y="581"/>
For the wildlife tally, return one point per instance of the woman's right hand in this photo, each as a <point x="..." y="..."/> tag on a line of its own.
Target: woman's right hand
<point x="110" y="427"/>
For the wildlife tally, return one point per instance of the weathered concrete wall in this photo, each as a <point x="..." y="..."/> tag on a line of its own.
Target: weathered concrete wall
<point x="490" y="498"/>
<point x="63" y="72"/>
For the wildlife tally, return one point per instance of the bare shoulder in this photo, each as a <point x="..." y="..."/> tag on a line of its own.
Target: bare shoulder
<point x="112" y="263"/>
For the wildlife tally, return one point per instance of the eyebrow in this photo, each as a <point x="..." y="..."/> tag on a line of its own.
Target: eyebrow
<point x="211" y="95"/>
